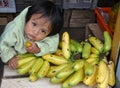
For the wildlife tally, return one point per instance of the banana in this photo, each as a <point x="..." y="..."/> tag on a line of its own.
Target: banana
<point x="78" y="64"/>
<point x="77" y="45"/>
<point x="104" y="83"/>
<point x="111" y="67"/>
<point x="88" y="68"/>
<point x="28" y="44"/>
<point x="86" y="50"/>
<point x="52" y="72"/>
<point x="43" y="70"/>
<point x="107" y="41"/>
<point x="24" y="69"/>
<point x="66" y="45"/>
<point x="33" y="77"/>
<point x="93" y="56"/>
<point x="22" y="56"/>
<point x="59" y="52"/>
<point x="68" y="70"/>
<point x="76" y="78"/>
<point x="73" y="48"/>
<point x="24" y="60"/>
<point x="91" y="80"/>
<point x="97" y="43"/>
<point x="94" y="51"/>
<point x="102" y="70"/>
<point x="56" y="80"/>
<point x="93" y="60"/>
<point x="37" y="65"/>
<point x="55" y="59"/>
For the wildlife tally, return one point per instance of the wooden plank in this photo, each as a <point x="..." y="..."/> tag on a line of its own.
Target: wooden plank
<point x="25" y="83"/>
<point x="116" y="40"/>
<point x="9" y="72"/>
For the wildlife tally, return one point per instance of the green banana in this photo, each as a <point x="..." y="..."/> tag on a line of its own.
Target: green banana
<point x="86" y="50"/>
<point x="91" y="80"/>
<point x="88" y="68"/>
<point x="77" y="45"/>
<point x="97" y="43"/>
<point x="56" y="80"/>
<point x="37" y="65"/>
<point x="55" y="70"/>
<point x="78" y="64"/>
<point x="24" y="60"/>
<point x="107" y="41"/>
<point x="102" y="70"/>
<point x="73" y="48"/>
<point x="55" y="59"/>
<point x="66" y="45"/>
<point x="76" y="78"/>
<point x="24" y="69"/>
<point x="111" y="67"/>
<point x="25" y="55"/>
<point x="65" y="72"/>
<point x="43" y="70"/>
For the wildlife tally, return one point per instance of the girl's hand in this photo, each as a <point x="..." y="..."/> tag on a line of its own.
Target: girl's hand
<point x="13" y="63"/>
<point x="32" y="47"/>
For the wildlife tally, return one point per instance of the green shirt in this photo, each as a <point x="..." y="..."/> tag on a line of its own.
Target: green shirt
<point x="12" y="41"/>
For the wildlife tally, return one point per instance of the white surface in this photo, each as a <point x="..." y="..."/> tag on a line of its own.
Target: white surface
<point x="40" y="83"/>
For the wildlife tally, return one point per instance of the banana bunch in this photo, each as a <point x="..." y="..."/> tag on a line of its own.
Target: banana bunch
<point x="92" y="67"/>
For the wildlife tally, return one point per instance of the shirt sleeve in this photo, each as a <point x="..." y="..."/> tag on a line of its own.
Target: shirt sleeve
<point x="48" y="45"/>
<point x="7" y="41"/>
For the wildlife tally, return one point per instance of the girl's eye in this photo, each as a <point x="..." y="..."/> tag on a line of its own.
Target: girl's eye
<point x="43" y="31"/>
<point x="34" y="24"/>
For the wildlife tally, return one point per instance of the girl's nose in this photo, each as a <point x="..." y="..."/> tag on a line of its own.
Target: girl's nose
<point x="36" y="31"/>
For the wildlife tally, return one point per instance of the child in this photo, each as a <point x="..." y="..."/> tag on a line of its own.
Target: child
<point x="39" y="24"/>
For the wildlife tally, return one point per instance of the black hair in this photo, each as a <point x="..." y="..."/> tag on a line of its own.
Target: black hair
<point x="48" y="10"/>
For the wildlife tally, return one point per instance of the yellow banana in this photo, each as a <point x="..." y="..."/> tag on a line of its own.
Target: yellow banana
<point x="59" y="52"/>
<point x="28" y="44"/>
<point x="94" y="51"/>
<point x="78" y="64"/>
<point x="65" y="72"/>
<point x="91" y="80"/>
<point x="88" y="68"/>
<point x="55" y="59"/>
<point x="93" y="60"/>
<point x="60" y="44"/>
<point x="43" y="70"/>
<point x="24" y="60"/>
<point x="66" y="45"/>
<point x="52" y="72"/>
<point x="104" y="83"/>
<point x="33" y="77"/>
<point x="97" y="43"/>
<point x="37" y="65"/>
<point x="24" y="69"/>
<point x="111" y="67"/>
<point x="102" y="70"/>
<point x="76" y="78"/>
<point x="86" y="50"/>
<point x="93" y="56"/>
<point x="107" y="41"/>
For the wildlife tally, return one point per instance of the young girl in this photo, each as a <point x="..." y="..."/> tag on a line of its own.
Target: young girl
<point x="39" y="24"/>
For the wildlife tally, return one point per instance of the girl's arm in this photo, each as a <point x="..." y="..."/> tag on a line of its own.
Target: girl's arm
<point x="48" y="45"/>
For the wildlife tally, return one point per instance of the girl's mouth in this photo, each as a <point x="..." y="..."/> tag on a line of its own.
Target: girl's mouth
<point x="31" y="36"/>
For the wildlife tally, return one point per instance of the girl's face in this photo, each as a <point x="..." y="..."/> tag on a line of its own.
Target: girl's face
<point x="37" y="28"/>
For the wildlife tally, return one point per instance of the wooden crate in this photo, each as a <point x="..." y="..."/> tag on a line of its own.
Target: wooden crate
<point x="11" y="79"/>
